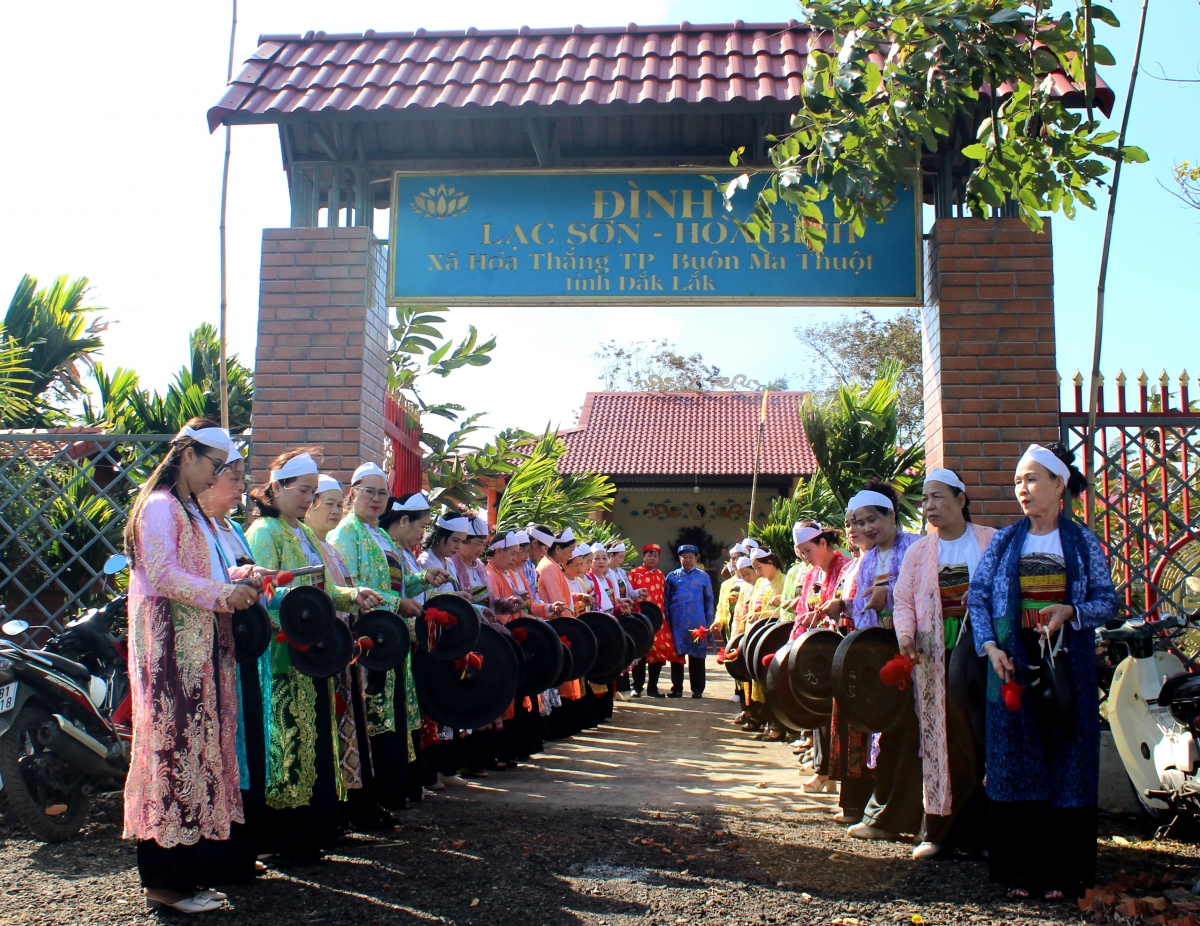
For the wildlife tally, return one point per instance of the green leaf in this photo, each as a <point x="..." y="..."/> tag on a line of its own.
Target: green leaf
<point x="1105" y="15"/>
<point x="976" y="152"/>
<point x="1103" y="56"/>
<point x="1134" y="154"/>
<point x="1009" y="15"/>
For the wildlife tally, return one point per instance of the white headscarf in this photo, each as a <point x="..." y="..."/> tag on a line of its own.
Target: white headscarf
<point x="302" y="465"/>
<point x="1039" y="454"/>
<point x="946" y="477"/>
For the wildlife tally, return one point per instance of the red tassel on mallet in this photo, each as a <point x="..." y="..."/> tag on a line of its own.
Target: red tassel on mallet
<point x="1011" y="693"/>
<point x="897" y="671"/>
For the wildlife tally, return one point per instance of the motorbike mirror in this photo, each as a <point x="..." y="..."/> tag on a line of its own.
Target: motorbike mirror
<point x="14" y="627"/>
<point x="115" y="564"/>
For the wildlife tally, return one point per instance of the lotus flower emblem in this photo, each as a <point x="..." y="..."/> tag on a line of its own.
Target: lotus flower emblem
<point x="440" y="202"/>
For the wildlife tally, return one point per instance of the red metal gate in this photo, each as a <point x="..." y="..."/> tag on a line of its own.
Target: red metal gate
<point x="1145" y="494"/>
<point x="402" y="425"/>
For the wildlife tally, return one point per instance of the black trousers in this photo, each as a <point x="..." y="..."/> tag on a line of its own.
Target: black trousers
<point x="303" y="833"/>
<point x="254" y="800"/>
<point x="898" y="802"/>
<point x="966" y="825"/>
<point x="639" y="675"/>
<point x="187" y="869"/>
<point x="696" y="679"/>
<point x="1035" y="847"/>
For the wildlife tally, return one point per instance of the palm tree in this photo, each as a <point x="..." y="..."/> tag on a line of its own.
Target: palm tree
<point x="537" y="493"/>
<point x="855" y="437"/>
<point x="52" y="326"/>
<point x="15" y="379"/>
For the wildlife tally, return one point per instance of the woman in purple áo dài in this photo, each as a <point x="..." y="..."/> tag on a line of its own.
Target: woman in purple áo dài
<point x="895" y="806"/>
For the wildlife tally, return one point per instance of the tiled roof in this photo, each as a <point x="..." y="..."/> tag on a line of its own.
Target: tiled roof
<point x="687" y="433"/>
<point x="379" y="71"/>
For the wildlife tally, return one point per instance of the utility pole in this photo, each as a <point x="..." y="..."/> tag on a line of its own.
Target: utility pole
<point x="224" y="197"/>
<point x="1090" y="461"/>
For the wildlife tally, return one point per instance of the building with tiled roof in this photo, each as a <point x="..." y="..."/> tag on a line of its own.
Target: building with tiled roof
<point x="686" y="459"/>
<point x="353" y="108"/>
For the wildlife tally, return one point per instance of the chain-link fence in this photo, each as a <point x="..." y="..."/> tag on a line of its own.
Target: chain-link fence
<point x="64" y="498"/>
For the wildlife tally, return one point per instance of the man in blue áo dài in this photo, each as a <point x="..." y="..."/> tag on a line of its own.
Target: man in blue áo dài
<point x="689" y="610"/>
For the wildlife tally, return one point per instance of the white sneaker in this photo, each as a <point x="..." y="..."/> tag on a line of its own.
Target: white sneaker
<point x="620" y="696"/>
<point x="926" y="850"/>
<point x="866" y="831"/>
<point x="438" y="785"/>
<point x="452" y="781"/>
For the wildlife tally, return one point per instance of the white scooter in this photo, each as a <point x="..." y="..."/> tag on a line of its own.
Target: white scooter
<point x="1154" y="712"/>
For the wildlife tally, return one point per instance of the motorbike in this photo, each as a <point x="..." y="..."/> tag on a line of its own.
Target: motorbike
<point x="1154" y="713"/>
<point x="64" y="719"/>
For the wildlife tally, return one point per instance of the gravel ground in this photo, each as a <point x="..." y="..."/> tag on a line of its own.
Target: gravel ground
<point x="450" y="863"/>
<point x="667" y="816"/>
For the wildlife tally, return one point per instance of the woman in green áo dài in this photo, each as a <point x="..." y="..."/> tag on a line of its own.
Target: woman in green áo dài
<point x="392" y="711"/>
<point x="304" y="782"/>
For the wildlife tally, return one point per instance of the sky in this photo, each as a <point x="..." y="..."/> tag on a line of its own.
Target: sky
<point x="113" y="175"/>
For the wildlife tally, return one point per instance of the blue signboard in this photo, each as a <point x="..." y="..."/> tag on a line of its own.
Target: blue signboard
<point x="644" y="238"/>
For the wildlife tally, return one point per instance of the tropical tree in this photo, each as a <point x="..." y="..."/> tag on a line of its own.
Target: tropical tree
<point x="900" y="78"/>
<point x="537" y="493"/>
<point x="58" y="335"/>
<point x="855" y="437"/>
<point x="118" y="403"/>
<point x="15" y="380"/>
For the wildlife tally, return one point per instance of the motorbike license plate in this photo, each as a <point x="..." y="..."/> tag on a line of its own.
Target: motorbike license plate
<point x="8" y="697"/>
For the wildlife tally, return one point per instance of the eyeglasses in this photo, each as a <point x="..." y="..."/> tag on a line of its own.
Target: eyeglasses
<point x="374" y="493"/>
<point x="218" y="465"/>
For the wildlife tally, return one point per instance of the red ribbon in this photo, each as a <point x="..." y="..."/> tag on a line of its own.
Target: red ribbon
<point x="283" y="638"/>
<point x="897" y="671"/>
<point x="365" y="644"/>
<point x="1011" y="693"/>
<point x="699" y="633"/>
<point x="469" y="661"/>
<point x="721" y="656"/>
<point x="767" y="660"/>
<point x="519" y="634"/>
<point x="565" y="641"/>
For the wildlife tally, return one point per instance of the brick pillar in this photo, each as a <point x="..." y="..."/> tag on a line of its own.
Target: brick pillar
<point x="320" y="370"/>
<point x="991" y="383"/>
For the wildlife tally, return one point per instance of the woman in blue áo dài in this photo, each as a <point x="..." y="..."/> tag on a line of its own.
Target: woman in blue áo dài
<point x="1041" y="577"/>
<point x="304" y="781"/>
<point x="391" y="702"/>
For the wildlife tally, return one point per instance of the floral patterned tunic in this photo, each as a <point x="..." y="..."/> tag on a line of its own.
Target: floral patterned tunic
<point x="182" y="784"/>
<point x="289" y="698"/>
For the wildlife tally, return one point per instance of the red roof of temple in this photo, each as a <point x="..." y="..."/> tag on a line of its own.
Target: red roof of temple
<point x="378" y="71"/>
<point x="687" y="433"/>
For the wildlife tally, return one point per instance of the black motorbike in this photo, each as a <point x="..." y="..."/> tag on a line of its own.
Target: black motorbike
<point x="64" y="719"/>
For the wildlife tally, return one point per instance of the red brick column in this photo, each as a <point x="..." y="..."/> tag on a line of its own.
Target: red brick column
<point x="991" y="385"/>
<point x="320" y="368"/>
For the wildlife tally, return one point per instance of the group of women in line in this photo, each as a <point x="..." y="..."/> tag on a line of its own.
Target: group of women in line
<point x="234" y="762"/>
<point x="1027" y="794"/>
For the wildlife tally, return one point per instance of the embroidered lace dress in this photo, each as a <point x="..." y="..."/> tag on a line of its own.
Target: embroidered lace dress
<point x="183" y="773"/>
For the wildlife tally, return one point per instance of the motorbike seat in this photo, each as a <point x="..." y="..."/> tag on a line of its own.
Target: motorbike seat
<point x="68" y="667"/>
<point x="1180" y="687"/>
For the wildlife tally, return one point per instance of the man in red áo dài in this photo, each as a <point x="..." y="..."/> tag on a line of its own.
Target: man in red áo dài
<point x="650" y="577"/>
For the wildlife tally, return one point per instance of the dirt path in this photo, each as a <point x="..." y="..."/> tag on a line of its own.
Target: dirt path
<point x="657" y="818"/>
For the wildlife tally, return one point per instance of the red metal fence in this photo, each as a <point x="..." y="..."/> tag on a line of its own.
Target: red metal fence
<point x="1145" y="492"/>
<point x="403" y="427"/>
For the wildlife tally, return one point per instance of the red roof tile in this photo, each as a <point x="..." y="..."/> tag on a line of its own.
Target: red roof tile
<point x="687" y="433"/>
<point x="375" y="71"/>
